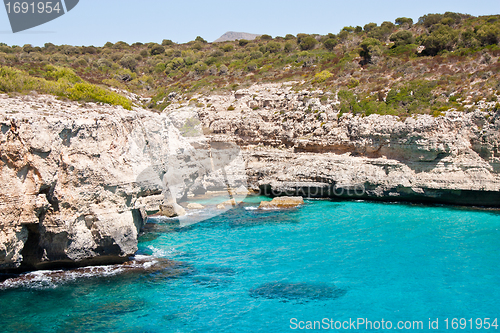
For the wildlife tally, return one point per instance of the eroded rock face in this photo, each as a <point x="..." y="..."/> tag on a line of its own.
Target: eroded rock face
<point x="297" y="143"/>
<point x="66" y="177"/>
<point x="77" y="181"/>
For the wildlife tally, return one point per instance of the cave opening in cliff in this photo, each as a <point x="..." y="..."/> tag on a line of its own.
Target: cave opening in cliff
<point x="31" y="252"/>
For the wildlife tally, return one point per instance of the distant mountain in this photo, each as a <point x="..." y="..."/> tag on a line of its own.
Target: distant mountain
<point x="231" y="35"/>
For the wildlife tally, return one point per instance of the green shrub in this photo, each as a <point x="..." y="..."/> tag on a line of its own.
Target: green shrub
<point x="217" y="53"/>
<point x="68" y="84"/>
<point x="266" y="37"/>
<point x="200" y="39"/>
<point x="289" y="47"/>
<point x="442" y="38"/>
<point x="381" y="33"/>
<point x="129" y="61"/>
<point x="197" y="46"/>
<point x="121" y="45"/>
<point x="402" y="21"/>
<point x="330" y="43"/>
<point x="301" y="37"/>
<point x="251" y="66"/>
<point x="256" y="55"/>
<point x="353" y="83"/>
<point x="227" y="47"/>
<point x="103" y="62"/>
<point x="61" y="74"/>
<point x="430" y="20"/>
<point x="157" y="49"/>
<point x="160" y="67"/>
<point x="369" y="27"/>
<point x="243" y="42"/>
<point x="367" y="48"/>
<point x="468" y="39"/>
<point x="89" y="50"/>
<point x="409" y="50"/>
<point x="322" y="76"/>
<point x="308" y="43"/>
<point x="273" y="47"/>
<point x="200" y="67"/>
<point x="167" y="42"/>
<point x="210" y="61"/>
<point x="402" y="38"/>
<point x="81" y="62"/>
<point x="92" y="93"/>
<point x="176" y="63"/>
<point x="343" y="35"/>
<point x="27" y="48"/>
<point x="488" y="34"/>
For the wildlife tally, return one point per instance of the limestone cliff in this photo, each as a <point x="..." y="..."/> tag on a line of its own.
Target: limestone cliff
<point x="298" y="143"/>
<point x="77" y="180"/>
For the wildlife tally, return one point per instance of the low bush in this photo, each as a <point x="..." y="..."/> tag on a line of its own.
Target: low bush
<point x="322" y="76"/>
<point x="64" y="83"/>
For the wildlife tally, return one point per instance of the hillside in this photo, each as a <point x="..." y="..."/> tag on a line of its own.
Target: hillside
<point x="442" y="62"/>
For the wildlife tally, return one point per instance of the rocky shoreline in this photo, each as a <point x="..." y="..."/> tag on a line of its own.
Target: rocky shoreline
<point x="78" y="180"/>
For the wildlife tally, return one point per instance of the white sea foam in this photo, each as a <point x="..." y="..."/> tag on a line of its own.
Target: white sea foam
<point x="52" y="279"/>
<point x="161" y="253"/>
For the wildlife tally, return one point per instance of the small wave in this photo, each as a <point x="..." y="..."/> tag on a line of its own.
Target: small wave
<point x="252" y="208"/>
<point x="51" y="279"/>
<point x="55" y="278"/>
<point x="161" y="253"/>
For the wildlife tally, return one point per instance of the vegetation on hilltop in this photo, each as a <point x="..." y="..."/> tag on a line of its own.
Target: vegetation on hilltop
<point x="441" y="62"/>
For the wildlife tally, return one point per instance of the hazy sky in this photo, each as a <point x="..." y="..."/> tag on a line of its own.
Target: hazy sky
<point x="95" y="22"/>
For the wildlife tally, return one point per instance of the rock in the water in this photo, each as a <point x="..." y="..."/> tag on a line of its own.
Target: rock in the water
<point x="54" y="278"/>
<point x="171" y="210"/>
<point x="231" y="202"/>
<point x="227" y="204"/>
<point x="282" y="202"/>
<point x="195" y="206"/>
<point x="296" y="291"/>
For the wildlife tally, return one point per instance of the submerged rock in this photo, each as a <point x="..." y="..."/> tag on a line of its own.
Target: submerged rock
<point x="282" y="202"/>
<point x="297" y="291"/>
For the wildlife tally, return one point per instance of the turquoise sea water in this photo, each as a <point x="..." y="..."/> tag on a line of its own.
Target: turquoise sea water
<point x="253" y="271"/>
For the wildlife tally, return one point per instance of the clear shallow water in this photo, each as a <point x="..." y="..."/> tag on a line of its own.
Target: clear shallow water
<point x="252" y="271"/>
